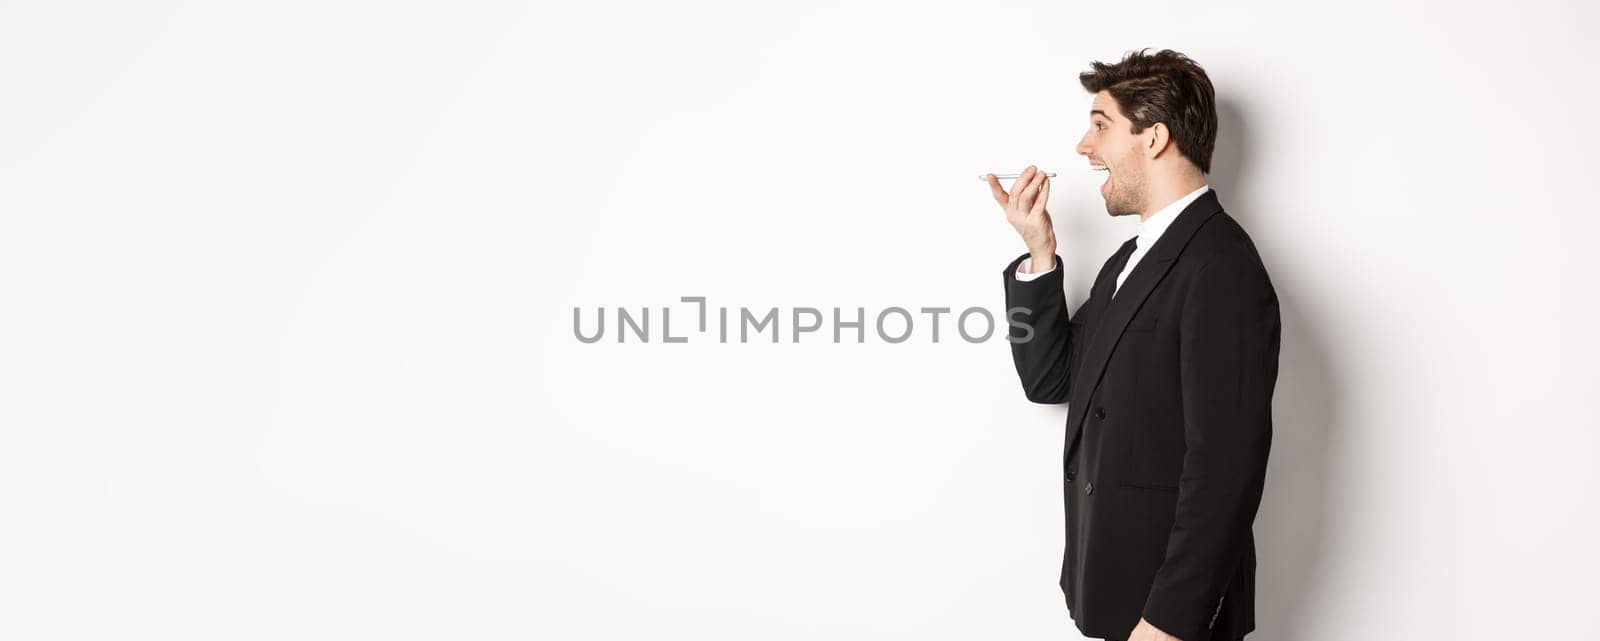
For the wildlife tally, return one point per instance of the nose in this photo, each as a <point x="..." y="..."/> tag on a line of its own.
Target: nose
<point x="1083" y="146"/>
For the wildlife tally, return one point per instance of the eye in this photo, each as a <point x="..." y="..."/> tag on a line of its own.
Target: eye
<point x="1100" y="126"/>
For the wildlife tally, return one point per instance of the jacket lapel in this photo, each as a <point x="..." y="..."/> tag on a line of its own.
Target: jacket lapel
<point x="1119" y="310"/>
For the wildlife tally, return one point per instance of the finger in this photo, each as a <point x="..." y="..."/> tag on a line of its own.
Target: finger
<point x="1020" y="197"/>
<point x="998" y="191"/>
<point x="1032" y="191"/>
<point x="1022" y="181"/>
<point x="1044" y="197"/>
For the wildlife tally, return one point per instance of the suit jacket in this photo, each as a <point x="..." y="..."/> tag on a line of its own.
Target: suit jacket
<point x="1169" y="384"/>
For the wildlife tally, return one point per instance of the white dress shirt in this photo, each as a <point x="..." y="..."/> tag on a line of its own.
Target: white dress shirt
<point x="1150" y="230"/>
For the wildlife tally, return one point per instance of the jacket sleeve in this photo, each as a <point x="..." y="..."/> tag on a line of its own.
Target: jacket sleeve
<point x="1229" y="333"/>
<point x="1041" y="339"/>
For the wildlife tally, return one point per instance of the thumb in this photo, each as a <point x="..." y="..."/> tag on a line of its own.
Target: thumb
<point x="998" y="192"/>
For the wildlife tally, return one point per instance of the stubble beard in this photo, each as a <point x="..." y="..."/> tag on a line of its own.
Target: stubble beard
<point x="1126" y="198"/>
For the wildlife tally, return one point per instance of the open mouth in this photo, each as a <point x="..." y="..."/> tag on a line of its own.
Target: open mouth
<point x="1105" y="187"/>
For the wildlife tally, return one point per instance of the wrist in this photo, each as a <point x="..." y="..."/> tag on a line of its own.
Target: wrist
<point x="1042" y="260"/>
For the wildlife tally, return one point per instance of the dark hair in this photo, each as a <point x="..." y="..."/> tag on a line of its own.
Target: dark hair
<point x="1165" y="87"/>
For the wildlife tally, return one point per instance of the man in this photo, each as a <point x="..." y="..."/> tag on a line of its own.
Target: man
<point x="1168" y="368"/>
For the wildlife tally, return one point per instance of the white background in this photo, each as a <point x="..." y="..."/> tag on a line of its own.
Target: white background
<point x="287" y="352"/>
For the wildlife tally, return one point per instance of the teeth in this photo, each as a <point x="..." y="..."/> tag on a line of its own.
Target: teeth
<point x="1099" y="168"/>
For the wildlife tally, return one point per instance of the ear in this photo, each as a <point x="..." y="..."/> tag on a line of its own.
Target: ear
<point x="1157" y="140"/>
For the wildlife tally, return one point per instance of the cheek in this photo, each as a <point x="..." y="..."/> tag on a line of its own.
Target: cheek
<point x="1113" y="151"/>
<point x="1130" y="160"/>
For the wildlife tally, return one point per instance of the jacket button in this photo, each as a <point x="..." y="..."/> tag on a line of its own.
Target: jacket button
<point x="1100" y="413"/>
<point x="1088" y="488"/>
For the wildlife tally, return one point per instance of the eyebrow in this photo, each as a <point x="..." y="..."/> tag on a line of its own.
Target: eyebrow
<point x="1102" y="114"/>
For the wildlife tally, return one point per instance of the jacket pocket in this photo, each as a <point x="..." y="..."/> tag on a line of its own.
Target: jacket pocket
<point x="1142" y="485"/>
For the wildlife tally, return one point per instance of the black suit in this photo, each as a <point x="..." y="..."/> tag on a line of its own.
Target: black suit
<point x="1170" y="389"/>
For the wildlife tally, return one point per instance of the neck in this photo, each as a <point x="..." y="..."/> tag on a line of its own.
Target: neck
<point x="1166" y="192"/>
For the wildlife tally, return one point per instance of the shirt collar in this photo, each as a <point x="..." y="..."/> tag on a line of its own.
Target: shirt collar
<point x="1151" y="228"/>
